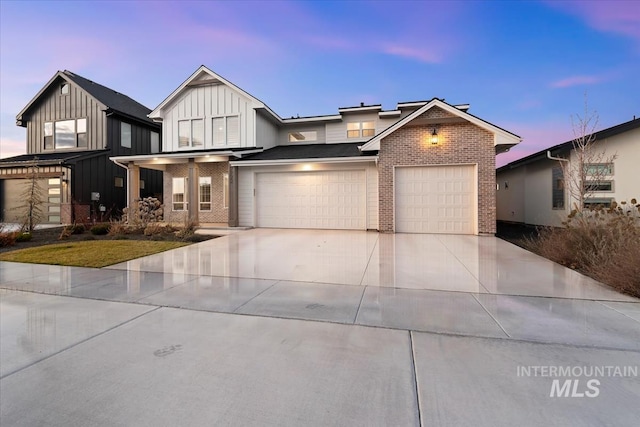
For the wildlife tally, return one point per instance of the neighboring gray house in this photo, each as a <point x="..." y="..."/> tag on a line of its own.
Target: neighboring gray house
<point x="422" y="167"/>
<point x="532" y="190"/>
<point x="73" y="126"/>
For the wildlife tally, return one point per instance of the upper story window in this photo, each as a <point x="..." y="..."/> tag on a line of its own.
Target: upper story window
<point x="155" y="142"/>
<point x="360" y="129"/>
<point x="303" y="136"/>
<point x="125" y="135"/>
<point x="65" y="134"/>
<point x="226" y="130"/>
<point x="64" y="89"/>
<point x="598" y="169"/>
<point x="557" y="189"/>
<point x="191" y="133"/>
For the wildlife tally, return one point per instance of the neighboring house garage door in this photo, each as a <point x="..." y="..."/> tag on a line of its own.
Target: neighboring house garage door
<point x="14" y="205"/>
<point x="435" y="199"/>
<point x="327" y="199"/>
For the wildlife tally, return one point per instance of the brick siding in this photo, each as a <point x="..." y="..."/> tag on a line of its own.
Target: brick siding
<point x="459" y="143"/>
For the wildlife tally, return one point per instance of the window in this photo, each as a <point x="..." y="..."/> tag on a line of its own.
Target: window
<point x="190" y="133"/>
<point x="54" y="181"/>
<point x="226" y="130"/>
<point x="179" y="197"/>
<point x="225" y="190"/>
<point x="205" y="193"/>
<point x="592" y="186"/>
<point x="64" y="89"/>
<point x="81" y="135"/>
<point x="119" y="182"/>
<point x="142" y="184"/>
<point x="593" y="202"/>
<point x="360" y="129"/>
<point x="48" y="136"/>
<point x="125" y="135"/>
<point x="557" y="189"/>
<point x="65" y="134"/>
<point x="155" y="142"/>
<point x="598" y="169"/>
<point x="303" y="136"/>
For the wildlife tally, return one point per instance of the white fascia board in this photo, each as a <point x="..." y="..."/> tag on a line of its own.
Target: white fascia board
<point x="313" y="119"/>
<point x="159" y="156"/>
<point x="374" y="143"/>
<point x="359" y="109"/>
<point x="411" y="104"/>
<point x="298" y="161"/>
<point x="390" y="113"/>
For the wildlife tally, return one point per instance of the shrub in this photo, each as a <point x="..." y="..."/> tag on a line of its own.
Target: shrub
<point x="23" y="237"/>
<point x="601" y="242"/>
<point x="8" y="238"/>
<point x="154" y="228"/>
<point x="100" y="229"/>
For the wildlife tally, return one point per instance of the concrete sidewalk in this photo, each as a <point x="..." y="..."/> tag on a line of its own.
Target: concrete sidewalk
<point x="122" y="346"/>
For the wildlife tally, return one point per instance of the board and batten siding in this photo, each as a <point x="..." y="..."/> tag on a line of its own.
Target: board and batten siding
<point x="207" y="102"/>
<point x="55" y="107"/>
<point x="247" y="184"/>
<point x="266" y="132"/>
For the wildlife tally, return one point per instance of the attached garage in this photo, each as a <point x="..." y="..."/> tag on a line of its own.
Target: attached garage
<point x="436" y="199"/>
<point x="318" y="199"/>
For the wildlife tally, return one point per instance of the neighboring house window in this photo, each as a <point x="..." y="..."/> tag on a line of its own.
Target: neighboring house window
<point x="225" y="190"/>
<point x="179" y="197"/>
<point x="119" y="182"/>
<point x="303" y="136"/>
<point x="65" y="134"/>
<point x="360" y="129"/>
<point x="125" y="135"/>
<point x="598" y="169"/>
<point x="593" y="202"/>
<point x="155" y="142"/>
<point x="64" y="89"/>
<point x="226" y="130"/>
<point x="557" y="191"/>
<point x="48" y="135"/>
<point x="190" y="133"/>
<point x="205" y="193"/>
<point x="594" y="186"/>
<point x="81" y="135"/>
<point x="142" y="184"/>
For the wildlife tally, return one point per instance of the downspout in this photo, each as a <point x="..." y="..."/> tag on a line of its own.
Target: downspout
<point x="125" y="167"/>
<point x="560" y="159"/>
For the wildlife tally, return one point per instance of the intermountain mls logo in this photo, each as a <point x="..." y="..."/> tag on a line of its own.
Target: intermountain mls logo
<point x="577" y="381"/>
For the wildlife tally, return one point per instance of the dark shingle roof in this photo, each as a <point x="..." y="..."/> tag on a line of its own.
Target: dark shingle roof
<point x="115" y="100"/>
<point x="313" y="151"/>
<point x="49" y="157"/>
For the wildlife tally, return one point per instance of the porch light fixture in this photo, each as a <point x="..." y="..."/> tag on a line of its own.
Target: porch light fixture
<point x="434" y="137"/>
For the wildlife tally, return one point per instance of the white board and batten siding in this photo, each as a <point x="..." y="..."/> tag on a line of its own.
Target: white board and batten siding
<point x="327" y="197"/>
<point x="208" y="102"/>
<point x="436" y="199"/>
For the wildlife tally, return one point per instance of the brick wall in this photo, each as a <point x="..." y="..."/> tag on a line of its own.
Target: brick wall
<point x="459" y="143"/>
<point x="215" y="170"/>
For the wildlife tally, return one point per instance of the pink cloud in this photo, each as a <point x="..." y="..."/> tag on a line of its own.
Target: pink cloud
<point x="11" y="147"/>
<point x="622" y="17"/>
<point x="576" y="81"/>
<point x="535" y="138"/>
<point x="419" y="54"/>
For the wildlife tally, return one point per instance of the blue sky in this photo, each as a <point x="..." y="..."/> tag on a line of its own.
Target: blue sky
<point x="524" y="66"/>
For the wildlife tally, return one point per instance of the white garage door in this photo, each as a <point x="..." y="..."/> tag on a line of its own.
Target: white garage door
<point x="435" y="199"/>
<point x="329" y="199"/>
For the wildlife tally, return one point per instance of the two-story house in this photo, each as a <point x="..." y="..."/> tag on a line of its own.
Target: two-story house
<point x="423" y="167"/>
<point x="73" y="126"/>
<point x="533" y="190"/>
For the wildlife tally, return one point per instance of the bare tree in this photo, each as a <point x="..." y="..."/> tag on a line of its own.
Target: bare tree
<point x="588" y="166"/>
<point x="33" y="198"/>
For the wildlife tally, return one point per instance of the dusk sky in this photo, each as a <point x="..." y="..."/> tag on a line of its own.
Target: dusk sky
<point x="524" y="66"/>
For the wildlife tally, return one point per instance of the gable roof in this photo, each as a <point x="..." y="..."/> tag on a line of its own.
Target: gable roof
<point x="207" y="76"/>
<point x="567" y="146"/>
<point x="111" y="99"/>
<point x="501" y="136"/>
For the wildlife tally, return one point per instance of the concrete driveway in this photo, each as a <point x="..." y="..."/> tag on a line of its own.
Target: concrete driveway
<point x="306" y="327"/>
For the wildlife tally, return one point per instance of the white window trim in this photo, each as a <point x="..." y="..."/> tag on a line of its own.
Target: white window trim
<point x="185" y="203"/>
<point x="210" y="202"/>
<point x="361" y="129"/>
<point x="190" y="145"/>
<point x="225" y="143"/>
<point x="225" y="190"/>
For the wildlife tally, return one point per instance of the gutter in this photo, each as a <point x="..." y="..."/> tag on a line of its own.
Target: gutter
<point x="560" y="159"/>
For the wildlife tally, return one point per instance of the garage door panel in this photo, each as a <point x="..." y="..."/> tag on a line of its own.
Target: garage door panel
<point x="327" y="200"/>
<point x="435" y="199"/>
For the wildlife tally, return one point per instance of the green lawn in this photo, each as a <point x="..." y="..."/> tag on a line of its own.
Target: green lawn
<point x="89" y="253"/>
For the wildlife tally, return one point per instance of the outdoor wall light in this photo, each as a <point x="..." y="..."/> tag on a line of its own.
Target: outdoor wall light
<point x="434" y="137"/>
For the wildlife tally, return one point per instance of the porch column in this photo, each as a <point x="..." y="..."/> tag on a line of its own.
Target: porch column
<point x="233" y="196"/>
<point x="192" y="191"/>
<point x="133" y="184"/>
